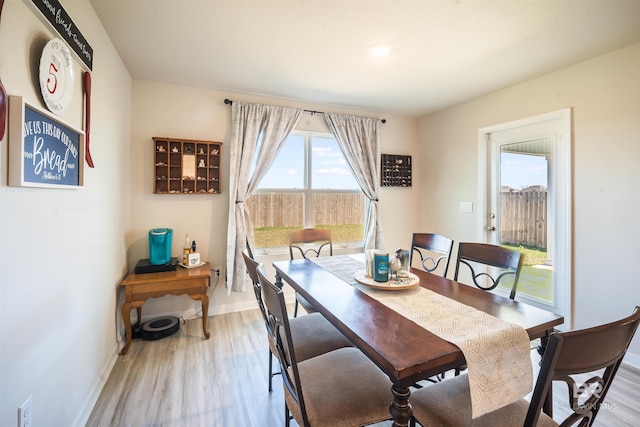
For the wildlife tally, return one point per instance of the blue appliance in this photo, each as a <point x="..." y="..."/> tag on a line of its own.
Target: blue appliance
<point x="160" y="246"/>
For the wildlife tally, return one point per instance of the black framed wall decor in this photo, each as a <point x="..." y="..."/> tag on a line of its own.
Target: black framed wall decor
<point x="43" y="150"/>
<point x="395" y="171"/>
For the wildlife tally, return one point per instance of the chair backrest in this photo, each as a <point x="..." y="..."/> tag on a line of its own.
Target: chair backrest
<point x="508" y="260"/>
<point x="252" y="269"/>
<point x="299" y="238"/>
<point x="429" y="246"/>
<point x="280" y="333"/>
<point x="581" y="352"/>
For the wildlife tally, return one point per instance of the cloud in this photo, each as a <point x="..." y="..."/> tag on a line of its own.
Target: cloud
<point x="332" y="171"/>
<point x="339" y="162"/>
<point x="325" y="152"/>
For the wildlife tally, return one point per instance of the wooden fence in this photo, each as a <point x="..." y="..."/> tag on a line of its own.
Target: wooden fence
<point x="287" y="209"/>
<point x="524" y="218"/>
<point x="523" y="214"/>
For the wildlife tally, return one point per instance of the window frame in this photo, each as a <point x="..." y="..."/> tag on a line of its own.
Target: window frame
<point x="308" y="191"/>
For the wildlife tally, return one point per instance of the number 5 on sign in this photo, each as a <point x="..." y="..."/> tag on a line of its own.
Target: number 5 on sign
<point x="52" y="81"/>
<point x="56" y="76"/>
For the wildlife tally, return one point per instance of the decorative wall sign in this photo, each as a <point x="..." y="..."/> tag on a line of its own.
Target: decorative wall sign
<point x="52" y="12"/>
<point x="56" y="76"/>
<point x="43" y="151"/>
<point x="396" y="171"/>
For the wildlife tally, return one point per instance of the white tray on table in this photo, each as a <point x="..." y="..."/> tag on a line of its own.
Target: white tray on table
<point x="391" y="285"/>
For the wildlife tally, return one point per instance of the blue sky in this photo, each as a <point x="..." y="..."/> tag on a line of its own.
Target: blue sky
<point x="330" y="170"/>
<point x="521" y="170"/>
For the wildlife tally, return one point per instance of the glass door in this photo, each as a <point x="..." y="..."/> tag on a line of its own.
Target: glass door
<point x="525" y="203"/>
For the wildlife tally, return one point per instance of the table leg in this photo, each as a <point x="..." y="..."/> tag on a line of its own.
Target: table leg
<point x="126" y="318"/>
<point x="278" y="281"/>
<point x="205" y="313"/>
<point x="400" y="408"/>
<point x="544" y="341"/>
<point x="547" y="406"/>
<point x="204" y="300"/>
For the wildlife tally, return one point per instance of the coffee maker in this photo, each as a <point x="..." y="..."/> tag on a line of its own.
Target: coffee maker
<point x="160" y="246"/>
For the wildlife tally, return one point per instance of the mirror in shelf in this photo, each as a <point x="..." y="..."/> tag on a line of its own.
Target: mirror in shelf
<point x="189" y="166"/>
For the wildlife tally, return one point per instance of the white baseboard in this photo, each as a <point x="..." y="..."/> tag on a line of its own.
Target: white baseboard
<point x="242" y="306"/>
<point x="92" y="398"/>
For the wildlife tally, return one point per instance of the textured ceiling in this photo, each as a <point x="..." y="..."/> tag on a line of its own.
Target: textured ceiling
<point x="444" y="52"/>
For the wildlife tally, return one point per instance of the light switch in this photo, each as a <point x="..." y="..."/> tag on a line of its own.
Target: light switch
<point x="466" y="206"/>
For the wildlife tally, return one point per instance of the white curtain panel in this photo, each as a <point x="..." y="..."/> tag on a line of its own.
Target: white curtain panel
<point x="360" y="142"/>
<point x="254" y="127"/>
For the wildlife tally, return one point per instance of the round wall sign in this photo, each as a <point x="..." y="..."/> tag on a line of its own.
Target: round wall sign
<point x="56" y="76"/>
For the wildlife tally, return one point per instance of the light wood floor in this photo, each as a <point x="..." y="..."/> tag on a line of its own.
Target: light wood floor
<point x="184" y="380"/>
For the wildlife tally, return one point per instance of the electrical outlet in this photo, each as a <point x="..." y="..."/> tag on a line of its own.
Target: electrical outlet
<point x="217" y="269"/>
<point x="24" y="414"/>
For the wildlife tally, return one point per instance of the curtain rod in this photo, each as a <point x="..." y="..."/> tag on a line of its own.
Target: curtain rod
<point x="229" y="102"/>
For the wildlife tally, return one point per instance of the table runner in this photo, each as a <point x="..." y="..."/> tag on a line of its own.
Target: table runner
<point x="497" y="352"/>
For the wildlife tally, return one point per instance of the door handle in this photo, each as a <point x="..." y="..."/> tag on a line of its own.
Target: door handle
<point x="491" y="228"/>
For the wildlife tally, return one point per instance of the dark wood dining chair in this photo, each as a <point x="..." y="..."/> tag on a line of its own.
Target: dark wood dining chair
<point x="299" y="243"/>
<point x="339" y="388"/>
<point x="433" y="249"/>
<point x="477" y="255"/>
<point x="313" y="333"/>
<point x="596" y="351"/>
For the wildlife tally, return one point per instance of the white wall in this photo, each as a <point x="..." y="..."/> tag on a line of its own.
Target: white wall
<point x="62" y="251"/>
<point x="604" y="94"/>
<point x="187" y="112"/>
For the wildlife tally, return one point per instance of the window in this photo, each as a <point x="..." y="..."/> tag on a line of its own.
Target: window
<point x="309" y="184"/>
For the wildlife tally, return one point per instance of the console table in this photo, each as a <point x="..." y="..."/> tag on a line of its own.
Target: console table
<point x="183" y="281"/>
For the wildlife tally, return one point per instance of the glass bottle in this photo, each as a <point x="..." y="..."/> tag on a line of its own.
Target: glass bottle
<point x="186" y="250"/>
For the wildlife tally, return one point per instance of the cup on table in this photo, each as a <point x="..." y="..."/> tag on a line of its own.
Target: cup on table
<point x="381" y="266"/>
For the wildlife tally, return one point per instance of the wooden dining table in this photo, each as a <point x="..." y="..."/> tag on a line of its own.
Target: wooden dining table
<point x="405" y="351"/>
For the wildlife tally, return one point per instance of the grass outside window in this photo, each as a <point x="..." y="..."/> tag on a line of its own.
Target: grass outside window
<point x="273" y="237"/>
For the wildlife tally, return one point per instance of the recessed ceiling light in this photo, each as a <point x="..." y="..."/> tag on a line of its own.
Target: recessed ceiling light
<point x="380" y="49"/>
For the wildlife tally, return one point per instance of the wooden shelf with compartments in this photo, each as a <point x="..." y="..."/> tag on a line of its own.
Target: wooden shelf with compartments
<point x="186" y="166"/>
<point x="395" y="171"/>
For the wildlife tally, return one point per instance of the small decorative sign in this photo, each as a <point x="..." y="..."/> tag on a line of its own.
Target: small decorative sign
<point x="54" y="14"/>
<point x="43" y="151"/>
